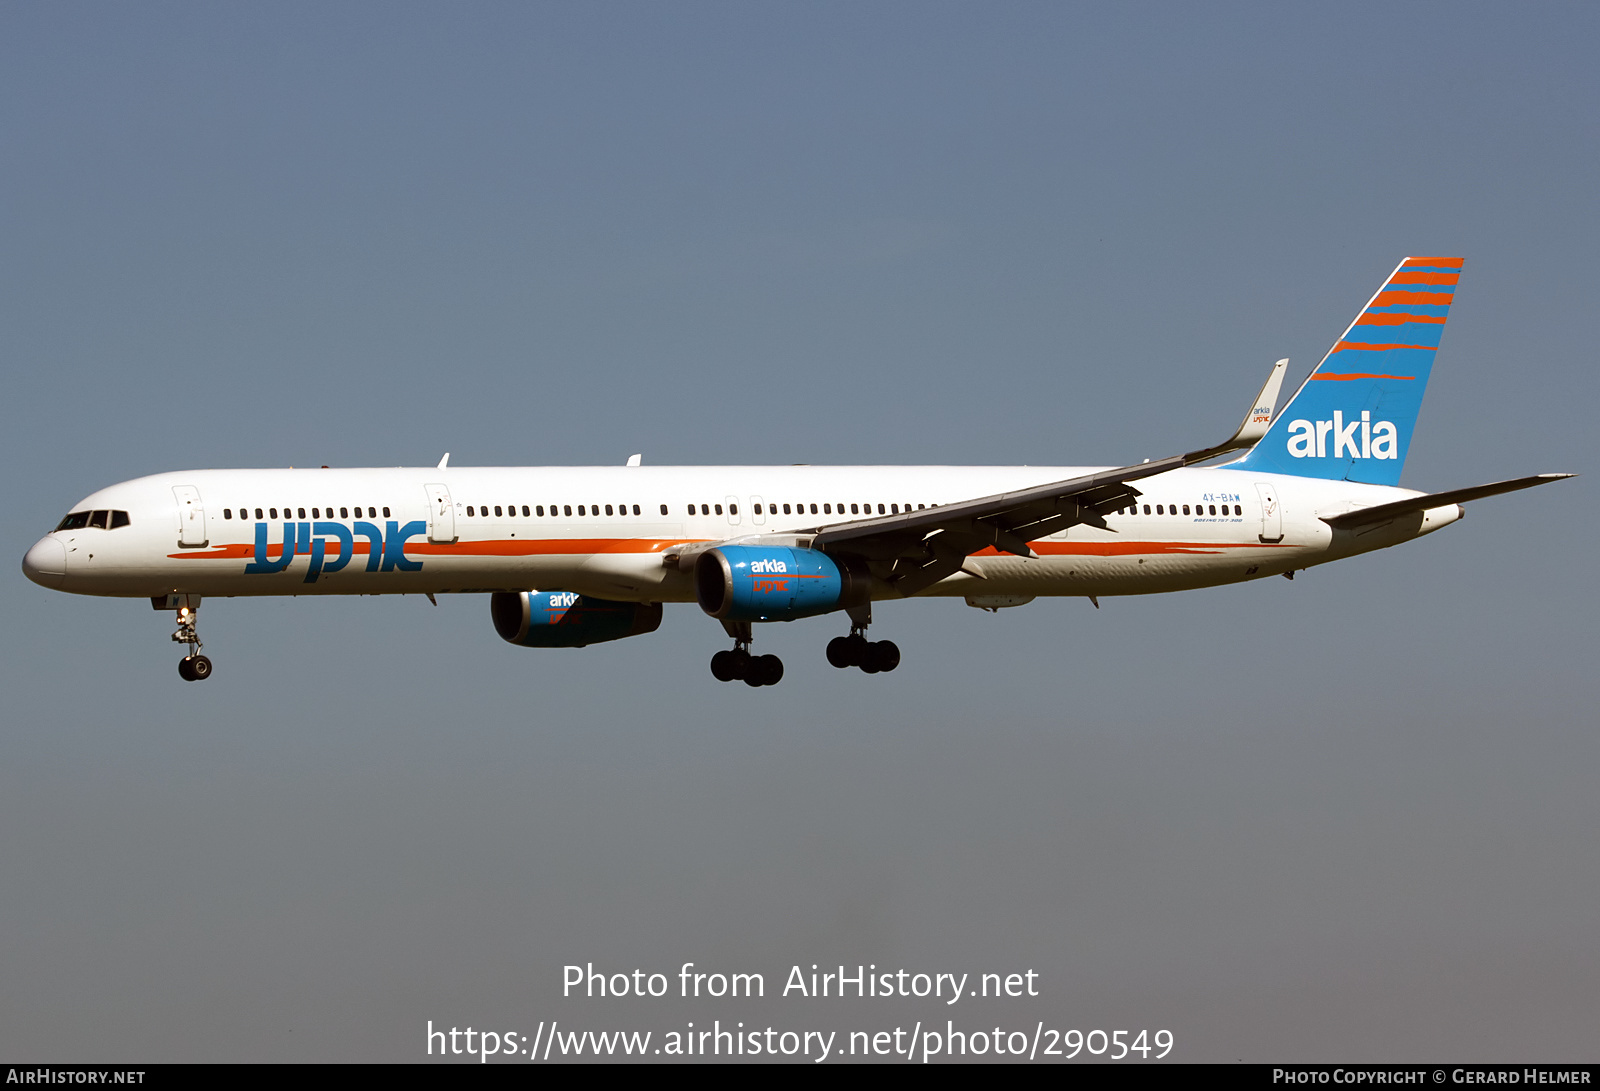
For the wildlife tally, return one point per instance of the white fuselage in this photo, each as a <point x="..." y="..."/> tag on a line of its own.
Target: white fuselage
<point x="393" y="531"/>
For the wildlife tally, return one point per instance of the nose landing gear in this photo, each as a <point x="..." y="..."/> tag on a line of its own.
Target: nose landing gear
<point x="193" y="667"/>
<point x="738" y="665"/>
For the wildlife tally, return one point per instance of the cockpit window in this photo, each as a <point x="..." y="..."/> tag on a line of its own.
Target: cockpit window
<point x="101" y="519"/>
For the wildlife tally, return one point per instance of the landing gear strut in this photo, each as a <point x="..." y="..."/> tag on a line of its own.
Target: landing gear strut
<point x="737" y="664"/>
<point x="193" y="667"/>
<point x="855" y="650"/>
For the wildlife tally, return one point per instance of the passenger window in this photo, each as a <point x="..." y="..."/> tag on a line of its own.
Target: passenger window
<point x="314" y="514"/>
<point x="274" y="512"/>
<point x="1186" y="509"/>
<point x="813" y="509"/>
<point x="497" y="512"/>
<point x="733" y="509"/>
<point x="881" y="511"/>
<point x="827" y="509"/>
<point x="636" y="510"/>
<point x="471" y="510"/>
<point x="663" y="509"/>
<point x="227" y="513"/>
<point x="1147" y="509"/>
<point x="119" y="519"/>
<point x="566" y="509"/>
<point x="581" y="510"/>
<point x="385" y="512"/>
<point x="719" y="509"/>
<point x="855" y="509"/>
<point x="608" y="510"/>
<point x="758" y="509"/>
<point x="786" y="509"/>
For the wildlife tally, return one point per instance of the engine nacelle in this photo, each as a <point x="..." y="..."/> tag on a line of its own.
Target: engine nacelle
<point x="563" y="619"/>
<point x="775" y="583"/>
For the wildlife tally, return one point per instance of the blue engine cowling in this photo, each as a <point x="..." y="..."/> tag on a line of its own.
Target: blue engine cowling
<point x="562" y="619"/>
<point x="775" y="583"/>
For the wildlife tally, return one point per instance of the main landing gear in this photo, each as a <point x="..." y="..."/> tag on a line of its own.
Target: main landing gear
<point x="738" y="665"/>
<point x="193" y="667"/>
<point x="855" y="650"/>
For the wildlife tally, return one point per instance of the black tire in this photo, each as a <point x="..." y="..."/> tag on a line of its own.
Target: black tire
<point x="771" y="670"/>
<point x="869" y="660"/>
<point x="722" y="666"/>
<point x="738" y="664"/>
<point x="839" y="652"/>
<point x="887" y="655"/>
<point x="200" y="668"/>
<point x="186" y="669"/>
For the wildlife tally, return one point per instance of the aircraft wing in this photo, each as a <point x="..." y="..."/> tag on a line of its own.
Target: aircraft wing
<point x="917" y="549"/>
<point x="1380" y="512"/>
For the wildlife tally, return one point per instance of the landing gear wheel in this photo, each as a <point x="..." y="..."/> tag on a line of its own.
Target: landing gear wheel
<point x="765" y="670"/>
<point x="839" y="649"/>
<point x="886" y="655"/>
<point x="732" y="665"/>
<point x="186" y="668"/>
<point x="199" y="668"/>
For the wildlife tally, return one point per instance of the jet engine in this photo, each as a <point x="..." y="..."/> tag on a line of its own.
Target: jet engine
<point x="776" y="583"/>
<point x="563" y="619"/>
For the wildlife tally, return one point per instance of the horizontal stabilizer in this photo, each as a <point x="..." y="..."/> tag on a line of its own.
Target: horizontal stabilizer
<point x="1437" y="500"/>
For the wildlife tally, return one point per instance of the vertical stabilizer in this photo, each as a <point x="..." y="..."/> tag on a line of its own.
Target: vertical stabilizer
<point x="1353" y="417"/>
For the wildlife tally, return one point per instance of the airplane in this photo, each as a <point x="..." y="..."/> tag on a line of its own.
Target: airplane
<point x="572" y="556"/>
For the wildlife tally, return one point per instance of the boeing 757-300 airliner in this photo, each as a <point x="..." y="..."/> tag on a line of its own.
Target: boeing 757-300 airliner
<point x="577" y="556"/>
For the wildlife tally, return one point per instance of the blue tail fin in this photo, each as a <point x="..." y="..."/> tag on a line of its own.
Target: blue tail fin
<point x="1353" y="417"/>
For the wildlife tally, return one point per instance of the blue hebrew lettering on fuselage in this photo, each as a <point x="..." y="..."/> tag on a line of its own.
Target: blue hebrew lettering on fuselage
<point x="386" y="550"/>
<point x="394" y="545"/>
<point x="347" y="544"/>
<point x="262" y="563"/>
<point x="374" y="538"/>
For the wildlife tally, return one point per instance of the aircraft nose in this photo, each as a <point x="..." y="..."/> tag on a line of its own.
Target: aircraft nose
<point x="46" y="562"/>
